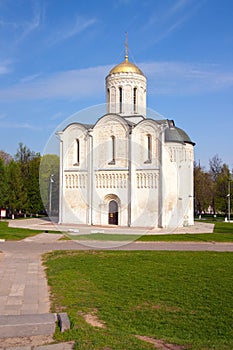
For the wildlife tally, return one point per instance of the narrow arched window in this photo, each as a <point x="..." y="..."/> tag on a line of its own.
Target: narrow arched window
<point x="113" y="150"/>
<point x="108" y="100"/>
<point x="120" y="99"/>
<point x="149" y="149"/>
<point x="77" y="152"/>
<point x="135" y="100"/>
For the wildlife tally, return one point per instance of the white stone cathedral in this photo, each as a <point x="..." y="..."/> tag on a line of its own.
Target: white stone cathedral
<point x="126" y="169"/>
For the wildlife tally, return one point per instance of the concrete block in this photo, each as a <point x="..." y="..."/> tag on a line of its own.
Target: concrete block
<point x="12" y="326"/>
<point x="17" y="348"/>
<point x="63" y="321"/>
<point x="60" y="346"/>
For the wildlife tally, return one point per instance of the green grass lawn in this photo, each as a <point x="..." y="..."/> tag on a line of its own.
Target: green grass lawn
<point x="223" y="232"/>
<point x="223" y="227"/>
<point x="14" y="234"/>
<point x="183" y="298"/>
<point x="202" y="237"/>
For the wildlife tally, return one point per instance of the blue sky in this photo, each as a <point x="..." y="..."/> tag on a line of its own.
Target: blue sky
<point x="54" y="56"/>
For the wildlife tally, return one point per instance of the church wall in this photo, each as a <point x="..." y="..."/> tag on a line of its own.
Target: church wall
<point x="75" y="208"/>
<point x="177" y="185"/>
<point x="70" y="136"/>
<point x="110" y="176"/>
<point x="144" y="203"/>
<point x="186" y="188"/>
<point x="145" y="175"/>
<point x="74" y="194"/>
<point x="107" y="127"/>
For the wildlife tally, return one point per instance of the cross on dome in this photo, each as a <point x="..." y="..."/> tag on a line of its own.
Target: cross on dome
<point x="126" y="66"/>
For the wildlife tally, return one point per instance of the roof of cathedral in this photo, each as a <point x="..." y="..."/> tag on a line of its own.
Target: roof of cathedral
<point x="126" y="67"/>
<point x="174" y="134"/>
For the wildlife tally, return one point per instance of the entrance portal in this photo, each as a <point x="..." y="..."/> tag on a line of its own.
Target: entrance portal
<point x="113" y="213"/>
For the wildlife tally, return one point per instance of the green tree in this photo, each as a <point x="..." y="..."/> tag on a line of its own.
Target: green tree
<point x="24" y="154"/>
<point x="29" y="164"/>
<point x="215" y="169"/>
<point x="202" y="189"/>
<point x="49" y="182"/>
<point x="16" y="194"/>
<point x="3" y="184"/>
<point x="221" y="189"/>
<point x="5" y="156"/>
<point x="34" y="201"/>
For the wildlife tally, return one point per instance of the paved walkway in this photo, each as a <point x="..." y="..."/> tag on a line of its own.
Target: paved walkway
<point x="24" y="289"/>
<point x="45" y="224"/>
<point x="23" y="286"/>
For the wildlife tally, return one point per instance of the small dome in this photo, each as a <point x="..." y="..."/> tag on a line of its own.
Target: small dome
<point x="178" y="135"/>
<point x="126" y="67"/>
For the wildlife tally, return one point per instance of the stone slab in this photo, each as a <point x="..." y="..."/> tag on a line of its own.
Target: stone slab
<point x="27" y="325"/>
<point x="60" y="346"/>
<point x="63" y="321"/>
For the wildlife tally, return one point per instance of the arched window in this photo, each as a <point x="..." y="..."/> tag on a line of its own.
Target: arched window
<point x="113" y="149"/>
<point x="108" y="100"/>
<point x="120" y="99"/>
<point x="135" y="100"/>
<point x="77" y="152"/>
<point x="149" y="149"/>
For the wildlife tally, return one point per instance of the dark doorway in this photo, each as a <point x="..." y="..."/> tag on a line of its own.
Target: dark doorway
<point x="113" y="213"/>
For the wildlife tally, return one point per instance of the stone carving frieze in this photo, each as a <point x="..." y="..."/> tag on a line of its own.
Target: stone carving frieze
<point x="75" y="180"/>
<point x="123" y="82"/>
<point x="146" y="180"/>
<point x="111" y="180"/>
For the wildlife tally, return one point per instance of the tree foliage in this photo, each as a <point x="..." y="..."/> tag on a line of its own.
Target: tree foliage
<point x="3" y="186"/>
<point x="16" y="198"/>
<point x="221" y="189"/>
<point x="49" y="182"/>
<point x="20" y="190"/>
<point x="211" y="188"/>
<point x="6" y="157"/>
<point x="202" y="189"/>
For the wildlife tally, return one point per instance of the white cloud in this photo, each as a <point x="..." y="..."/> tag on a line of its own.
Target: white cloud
<point x="19" y="27"/>
<point x="176" y="78"/>
<point x="177" y="6"/>
<point x="72" y="29"/>
<point x="30" y="26"/>
<point x="171" y="78"/>
<point x="67" y="84"/>
<point x="5" y="67"/>
<point x="30" y="78"/>
<point x="2" y="116"/>
<point x="171" y="18"/>
<point x="58" y="116"/>
<point x="15" y="125"/>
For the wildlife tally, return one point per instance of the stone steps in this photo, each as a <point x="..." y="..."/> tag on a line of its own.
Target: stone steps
<point x="12" y="326"/>
<point x="59" y="346"/>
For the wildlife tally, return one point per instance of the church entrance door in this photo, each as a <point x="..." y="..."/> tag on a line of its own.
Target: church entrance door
<point x="113" y="213"/>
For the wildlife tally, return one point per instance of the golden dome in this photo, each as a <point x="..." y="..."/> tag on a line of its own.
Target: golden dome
<point x="126" y="67"/>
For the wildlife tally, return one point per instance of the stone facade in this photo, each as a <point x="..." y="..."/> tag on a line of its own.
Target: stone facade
<point x="126" y="169"/>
